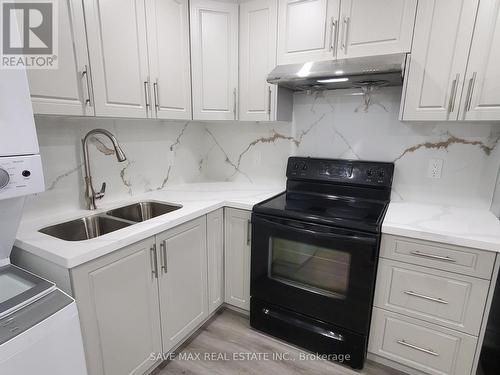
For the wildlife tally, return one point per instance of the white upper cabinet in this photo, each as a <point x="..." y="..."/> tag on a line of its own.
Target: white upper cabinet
<point x="375" y="27"/>
<point x="67" y="89"/>
<point x="258" y="26"/>
<point x="214" y="52"/>
<point x="169" y="60"/>
<point x="481" y="94"/>
<point x="307" y="30"/>
<point x="434" y="81"/>
<point x="118" y="55"/>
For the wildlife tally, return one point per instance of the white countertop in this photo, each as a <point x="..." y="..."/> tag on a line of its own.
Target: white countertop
<point x="469" y="227"/>
<point x="477" y="228"/>
<point x="197" y="199"/>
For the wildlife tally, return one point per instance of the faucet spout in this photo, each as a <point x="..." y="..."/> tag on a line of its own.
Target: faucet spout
<point x="90" y="195"/>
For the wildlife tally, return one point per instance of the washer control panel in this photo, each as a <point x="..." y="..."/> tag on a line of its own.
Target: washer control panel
<point x="20" y="175"/>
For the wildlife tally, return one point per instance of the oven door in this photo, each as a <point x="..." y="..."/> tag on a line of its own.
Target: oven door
<point x="324" y="272"/>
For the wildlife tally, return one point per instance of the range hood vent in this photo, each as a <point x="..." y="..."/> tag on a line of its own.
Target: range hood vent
<point x="384" y="70"/>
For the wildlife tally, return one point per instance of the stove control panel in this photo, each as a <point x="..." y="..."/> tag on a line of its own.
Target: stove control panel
<point x="20" y="175"/>
<point x="341" y="171"/>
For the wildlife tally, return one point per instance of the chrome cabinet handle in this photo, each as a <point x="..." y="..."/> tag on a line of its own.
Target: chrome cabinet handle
<point x="249" y="232"/>
<point x="269" y="94"/>
<point x="345" y="31"/>
<point x="423" y="296"/>
<point x="234" y="103"/>
<point x="333" y="35"/>
<point x="432" y="256"/>
<point x="85" y="73"/>
<point x="470" y="90"/>
<point x="453" y="94"/>
<point x="146" y="96"/>
<point x="163" y="256"/>
<point x="154" y="261"/>
<point x="155" y="94"/>
<point x="428" y="351"/>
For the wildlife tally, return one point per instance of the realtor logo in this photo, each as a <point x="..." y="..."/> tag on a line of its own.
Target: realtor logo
<point x="29" y="31"/>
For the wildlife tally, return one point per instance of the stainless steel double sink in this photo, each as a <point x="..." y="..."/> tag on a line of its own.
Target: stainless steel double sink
<point x="94" y="226"/>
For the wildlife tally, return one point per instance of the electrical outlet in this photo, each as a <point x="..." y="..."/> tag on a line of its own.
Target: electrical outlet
<point x="435" y="168"/>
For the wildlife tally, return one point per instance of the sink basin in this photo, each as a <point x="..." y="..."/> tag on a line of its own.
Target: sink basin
<point x="84" y="228"/>
<point x="142" y="211"/>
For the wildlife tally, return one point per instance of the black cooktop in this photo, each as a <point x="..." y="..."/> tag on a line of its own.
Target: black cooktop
<point x="341" y="193"/>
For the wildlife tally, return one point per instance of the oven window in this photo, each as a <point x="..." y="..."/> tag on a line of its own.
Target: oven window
<point x="318" y="269"/>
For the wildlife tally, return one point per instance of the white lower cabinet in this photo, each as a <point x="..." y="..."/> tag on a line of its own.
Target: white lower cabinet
<point x="448" y="299"/>
<point x="429" y="304"/>
<point x="117" y="297"/>
<point x="215" y="255"/>
<point x="237" y="233"/>
<point x="182" y="280"/>
<point x="143" y="299"/>
<point x="422" y="346"/>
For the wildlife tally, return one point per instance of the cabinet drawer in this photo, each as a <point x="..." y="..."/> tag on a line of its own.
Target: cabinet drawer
<point x="445" y="298"/>
<point x="464" y="260"/>
<point x="420" y="345"/>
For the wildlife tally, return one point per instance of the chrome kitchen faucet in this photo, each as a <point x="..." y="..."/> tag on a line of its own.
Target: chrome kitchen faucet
<point x="90" y="195"/>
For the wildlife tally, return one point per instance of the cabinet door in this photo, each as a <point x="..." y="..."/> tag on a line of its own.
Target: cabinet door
<point x="214" y="50"/>
<point x="481" y="95"/>
<point x="307" y="30"/>
<point x="118" y="54"/>
<point x="237" y="257"/>
<point x="117" y="297"/>
<point x="375" y="27"/>
<point x="215" y="251"/>
<point x="169" y="61"/>
<point x="183" y="281"/>
<point x="67" y="89"/>
<point x="443" y="32"/>
<point x="258" y="23"/>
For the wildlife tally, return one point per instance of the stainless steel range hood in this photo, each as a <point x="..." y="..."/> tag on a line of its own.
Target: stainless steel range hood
<point x="384" y="70"/>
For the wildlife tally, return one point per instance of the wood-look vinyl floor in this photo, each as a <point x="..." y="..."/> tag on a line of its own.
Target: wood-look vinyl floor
<point x="230" y="333"/>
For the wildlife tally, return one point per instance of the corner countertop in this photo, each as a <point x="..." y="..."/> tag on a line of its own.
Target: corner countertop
<point x="197" y="199"/>
<point x="469" y="227"/>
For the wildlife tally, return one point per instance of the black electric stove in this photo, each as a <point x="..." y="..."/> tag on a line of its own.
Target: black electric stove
<point x="314" y="255"/>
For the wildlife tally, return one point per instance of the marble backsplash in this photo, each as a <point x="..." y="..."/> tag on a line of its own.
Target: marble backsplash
<point x="348" y="124"/>
<point x="333" y="124"/>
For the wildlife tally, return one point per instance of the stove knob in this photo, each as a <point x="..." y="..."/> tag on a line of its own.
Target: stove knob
<point x="381" y="173"/>
<point x="4" y="178"/>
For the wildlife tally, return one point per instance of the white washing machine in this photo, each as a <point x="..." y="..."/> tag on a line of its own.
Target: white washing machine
<point x="41" y="335"/>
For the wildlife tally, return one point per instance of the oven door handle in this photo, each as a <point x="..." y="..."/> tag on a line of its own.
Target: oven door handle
<point x="371" y="239"/>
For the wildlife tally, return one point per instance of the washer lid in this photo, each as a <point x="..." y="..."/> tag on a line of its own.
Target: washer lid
<point x="19" y="288"/>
